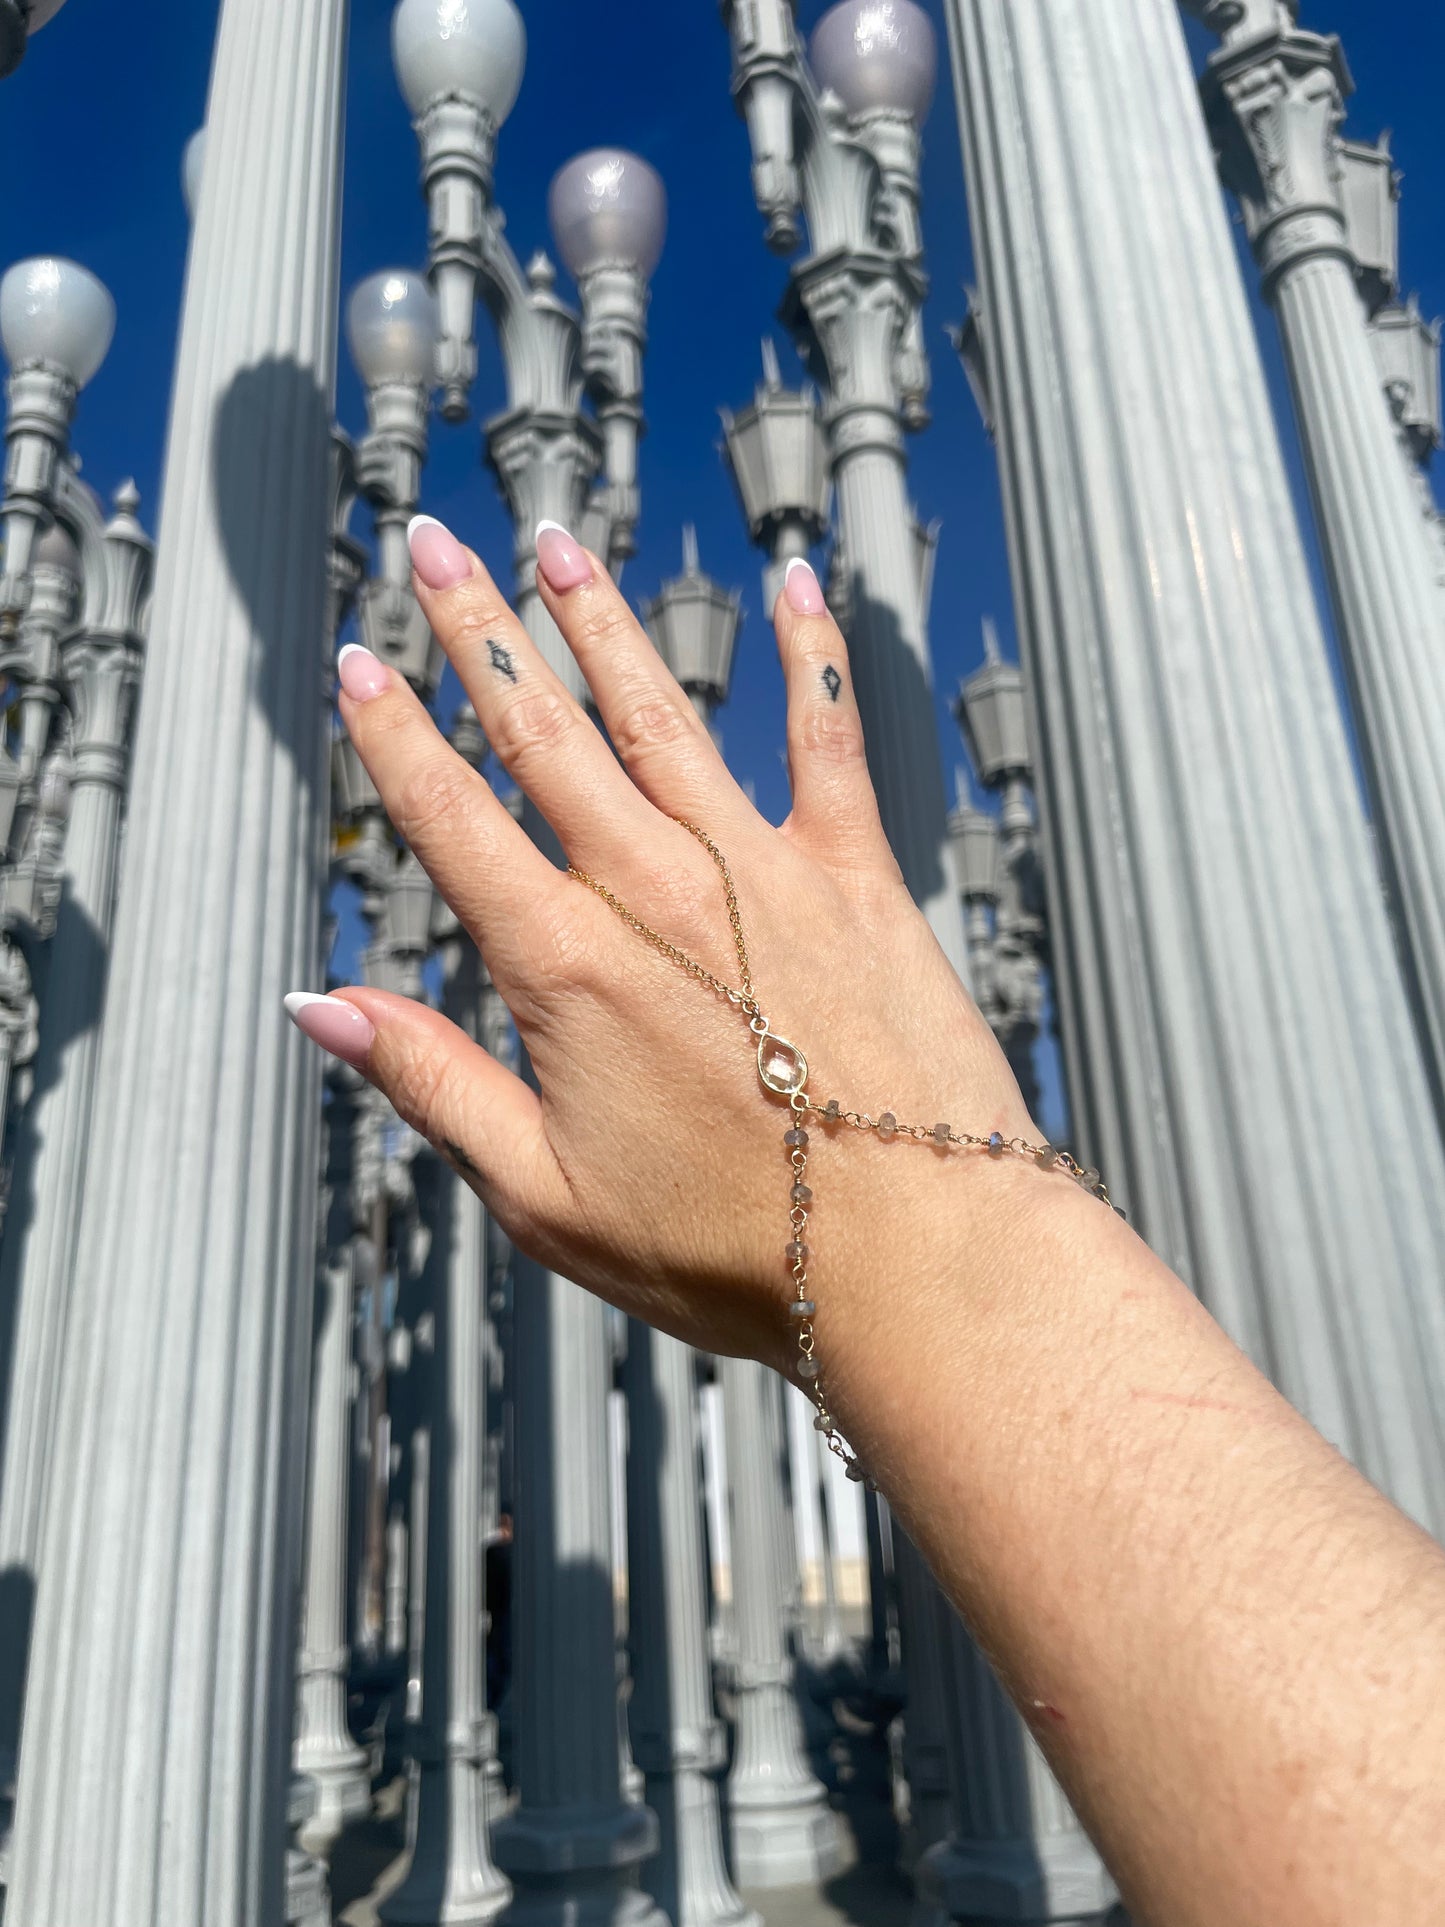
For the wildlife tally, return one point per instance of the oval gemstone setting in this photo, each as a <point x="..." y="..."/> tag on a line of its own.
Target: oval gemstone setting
<point x="781" y="1065"/>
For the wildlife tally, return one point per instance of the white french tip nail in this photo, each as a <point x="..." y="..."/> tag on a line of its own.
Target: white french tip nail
<point x="798" y="562"/>
<point x="551" y="525"/>
<point x="346" y="649"/>
<point x="421" y="522"/>
<point x="298" y="1000"/>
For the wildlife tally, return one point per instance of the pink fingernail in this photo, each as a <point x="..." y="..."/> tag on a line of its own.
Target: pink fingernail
<point x="802" y="589"/>
<point x="562" y="560"/>
<point x="336" y="1026"/>
<point x="436" y="555"/>
<point x="361" y="674"/>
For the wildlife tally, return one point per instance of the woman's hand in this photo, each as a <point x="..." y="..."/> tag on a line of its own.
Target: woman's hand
<point x="648" y="1162"/>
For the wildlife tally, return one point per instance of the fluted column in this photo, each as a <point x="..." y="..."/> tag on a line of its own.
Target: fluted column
<point x="1243" y="1061"/>
<point x="37" y="1255"/>
<point x="1275" y="103"/>
<point x="1016" y="1852"/>
<point x="784" y="1833"/>
<point x="677" y="1738"/>
<point x="858" y="310"/>
<point x="452" y="1881"/>
<point x="161" y="1675"/>
<point x="324" y="1750"/>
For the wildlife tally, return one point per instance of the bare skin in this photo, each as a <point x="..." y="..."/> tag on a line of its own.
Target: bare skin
<point x="1228" y="1644"/>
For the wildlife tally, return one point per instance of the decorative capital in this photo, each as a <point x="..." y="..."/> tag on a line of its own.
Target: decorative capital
<point x="1276" y="105"/>
<point x="1237" y="21"/>
<point x="860" y="316"/>
<point x="101" y="678"/>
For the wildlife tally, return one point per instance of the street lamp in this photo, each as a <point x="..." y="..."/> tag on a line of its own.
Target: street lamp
<point x="777" y="451"/>
<point x="991" y="708"/>
<point x="694" y="622"/>
<point x="56" y="326"/>
<point x="878" y="56"/>
<point x="193" y="167"/>
<point x="18" y="20"/>
<point x="608" y="214"/>
<point x="459" y="64"/>
<point x="392" y="327"/>
<point x="836" y="146"/>
<point x="460" y="68"/>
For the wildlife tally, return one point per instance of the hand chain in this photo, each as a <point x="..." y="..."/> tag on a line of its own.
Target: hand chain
<point x="783" y="1070"/>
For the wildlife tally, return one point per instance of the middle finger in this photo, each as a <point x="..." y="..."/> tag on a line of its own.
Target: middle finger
<point x="542" y="735"/>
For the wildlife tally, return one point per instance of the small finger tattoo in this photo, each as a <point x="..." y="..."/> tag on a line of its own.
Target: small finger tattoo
<point x="832" y="682"/>
<point x="501" y="658"/>
<point x="460" y="1159"/>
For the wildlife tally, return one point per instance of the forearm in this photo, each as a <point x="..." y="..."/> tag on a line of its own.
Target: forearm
<point x="1227" y="1642"/>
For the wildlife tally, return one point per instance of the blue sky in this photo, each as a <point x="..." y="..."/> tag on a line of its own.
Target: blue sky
<point x="90" y="148"/>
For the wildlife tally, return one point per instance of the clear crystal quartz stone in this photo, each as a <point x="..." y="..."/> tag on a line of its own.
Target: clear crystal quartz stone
<point x="781" y="1065"/>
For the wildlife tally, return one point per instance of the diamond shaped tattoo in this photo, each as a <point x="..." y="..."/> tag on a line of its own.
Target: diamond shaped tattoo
<point x="832" y="682"/>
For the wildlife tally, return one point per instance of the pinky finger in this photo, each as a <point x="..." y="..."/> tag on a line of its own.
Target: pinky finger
<point x="472" y="1109"/>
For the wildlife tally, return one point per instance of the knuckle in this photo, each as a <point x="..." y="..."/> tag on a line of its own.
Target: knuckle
<point x="537" y="720"/>
<point x="604" y="627"/>
<point x="830" y="735"/>
<point x="648" y="724"/>
<point x="431" y="796"/>
<point x="424" y="1093"/>
<point x="477" y="614"/>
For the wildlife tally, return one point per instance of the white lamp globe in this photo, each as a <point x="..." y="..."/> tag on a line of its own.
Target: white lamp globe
<point x="56" y="550"/>
<point x="475" y="47"/>
<point x="51" y="310"/>
<point x="193" y="168"/>
<point x="877" y="55"/>
<point x="392" y="327"/>
<point x="608" y="208"/>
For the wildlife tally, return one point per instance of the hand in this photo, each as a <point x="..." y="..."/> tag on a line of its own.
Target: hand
<point x="648" y="1163"/>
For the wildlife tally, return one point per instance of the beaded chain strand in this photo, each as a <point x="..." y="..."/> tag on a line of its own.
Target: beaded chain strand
<point x="783" y="1071"/>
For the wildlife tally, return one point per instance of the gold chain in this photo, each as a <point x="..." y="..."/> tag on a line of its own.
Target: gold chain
<point x="792" y="1084"/>
<point x="743" y="998"/>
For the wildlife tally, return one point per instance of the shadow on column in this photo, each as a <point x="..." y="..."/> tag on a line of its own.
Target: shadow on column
<point x="890" y="681"/>
<point x="273" y="421"/>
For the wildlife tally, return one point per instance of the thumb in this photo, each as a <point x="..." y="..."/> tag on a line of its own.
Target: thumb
<point x="472" y="1109"/>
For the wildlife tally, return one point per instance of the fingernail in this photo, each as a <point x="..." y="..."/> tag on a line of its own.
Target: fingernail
<point x="802" y="589"/>
<point x="361" y="674"/>
<point x="436" y="555"/>
<point x="336" y="1026"/>
<point x="562" y="560"/>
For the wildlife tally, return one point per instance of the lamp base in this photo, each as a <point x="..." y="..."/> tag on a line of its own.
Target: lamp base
<point x="12" y="36"/>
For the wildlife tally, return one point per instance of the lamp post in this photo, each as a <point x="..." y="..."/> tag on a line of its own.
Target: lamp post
<point x="323" y="1750"/>
<point x="1274" y="101"/>
<point x="783" y="1831"/>
<point x="168" y="1570"/>
<point x="978" y="857"/>
<point x="18" y="20"/>
<point x="573" y="1841"/>
<point x="677" y="1739"/>
<point x="393" y="328"/>
<point x="836" y="142"/>
<point x="56" y="326"/>
<point x="991" y="712"/>
<point x="451" y="1736"/>
<point x="1222" y="951"/>
<point x="104" y="585"/>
